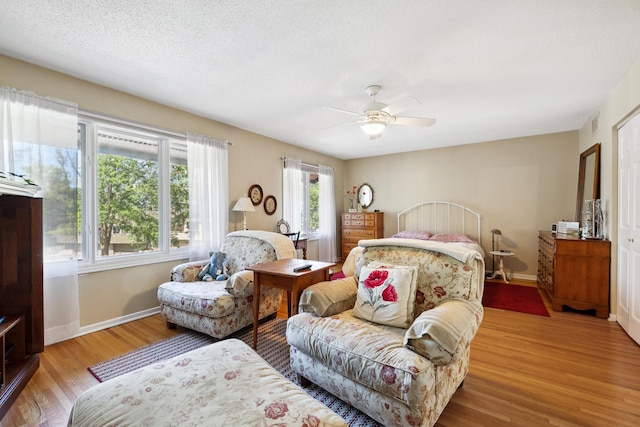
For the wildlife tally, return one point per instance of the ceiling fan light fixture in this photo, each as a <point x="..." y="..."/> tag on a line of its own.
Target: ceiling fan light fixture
<point x="373" y="127"/>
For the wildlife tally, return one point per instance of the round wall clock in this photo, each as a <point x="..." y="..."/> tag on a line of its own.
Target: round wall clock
<point x="255" y="194"/>
<point x="270" y="205"/>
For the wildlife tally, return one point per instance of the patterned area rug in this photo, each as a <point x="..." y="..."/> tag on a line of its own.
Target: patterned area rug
<point x="272" y="347"/>
<point x="524" y="299"/>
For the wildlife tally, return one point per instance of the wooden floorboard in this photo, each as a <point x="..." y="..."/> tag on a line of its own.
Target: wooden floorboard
<point x="570" y="369"/>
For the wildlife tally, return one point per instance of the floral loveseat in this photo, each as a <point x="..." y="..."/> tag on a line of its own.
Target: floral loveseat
<point x="219" y="308"/>
<point x="398" y="375"/>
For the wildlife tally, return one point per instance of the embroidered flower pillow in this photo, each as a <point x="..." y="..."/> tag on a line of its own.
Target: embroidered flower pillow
<point x="386" y="294"/>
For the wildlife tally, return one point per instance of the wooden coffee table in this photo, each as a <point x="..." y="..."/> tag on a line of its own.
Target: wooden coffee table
<point x="279" y="274"/>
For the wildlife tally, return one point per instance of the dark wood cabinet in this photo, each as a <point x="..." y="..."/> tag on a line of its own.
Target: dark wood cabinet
<point x="575" y="272"/>
<point x="358" y="226"/>
<point x="22" y="331"/>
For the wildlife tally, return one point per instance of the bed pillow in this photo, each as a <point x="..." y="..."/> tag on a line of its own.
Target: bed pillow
<point x="386" y="295"/>
<point x="413" y="234"/>
<point x="453" y="237"/>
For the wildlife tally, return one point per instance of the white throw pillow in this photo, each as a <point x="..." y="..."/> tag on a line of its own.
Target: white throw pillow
<point x="386" y="294"/>
<point x="237" y="283"/>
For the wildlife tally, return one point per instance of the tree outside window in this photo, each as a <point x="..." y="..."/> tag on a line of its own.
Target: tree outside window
<point x="141" y="192"/>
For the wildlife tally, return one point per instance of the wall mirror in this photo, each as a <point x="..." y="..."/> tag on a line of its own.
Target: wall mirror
<point x="365" y="195"/>
<point x="282" y="227"/>
<point x="588" y="178"/>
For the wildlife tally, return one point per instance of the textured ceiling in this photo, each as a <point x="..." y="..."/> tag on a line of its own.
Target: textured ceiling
<point x="485" y="69"/>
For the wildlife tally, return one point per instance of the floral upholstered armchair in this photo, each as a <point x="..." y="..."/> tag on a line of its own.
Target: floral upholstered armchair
<point x="392" y="339"/>
<point x="219" y="308"/>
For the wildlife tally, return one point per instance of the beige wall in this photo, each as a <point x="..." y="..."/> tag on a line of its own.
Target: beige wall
<point x="518" y="185"/>
<point x="621" y="103"/>
<point x="253" y="159"/>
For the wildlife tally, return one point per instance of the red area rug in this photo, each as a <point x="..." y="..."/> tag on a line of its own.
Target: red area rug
<point x="524" y="299"/>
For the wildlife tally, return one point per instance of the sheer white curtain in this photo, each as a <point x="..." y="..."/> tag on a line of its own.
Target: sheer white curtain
<point x="327" y="216"/>
<point x="40" y="140"/>
<point x="292" y="193"/>
<point x="208" y="165"/>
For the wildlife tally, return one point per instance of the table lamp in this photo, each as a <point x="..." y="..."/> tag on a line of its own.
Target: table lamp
<point x="244" y="205"/>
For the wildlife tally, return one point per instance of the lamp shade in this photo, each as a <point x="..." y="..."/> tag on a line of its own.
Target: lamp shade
<point x="244" y="204"/>
<point x="373" y="127"/>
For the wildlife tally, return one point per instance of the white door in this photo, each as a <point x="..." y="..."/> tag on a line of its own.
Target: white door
<point x="628" y="312"/>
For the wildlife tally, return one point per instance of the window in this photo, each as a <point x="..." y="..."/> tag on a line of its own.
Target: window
<point x="308" y="203"/>
<point x="310" y="221"/>
<point x="134" y="203"/>
<point x="301" y="196"/>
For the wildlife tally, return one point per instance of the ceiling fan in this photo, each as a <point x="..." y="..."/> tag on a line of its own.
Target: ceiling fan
<point x="374" y="116"/>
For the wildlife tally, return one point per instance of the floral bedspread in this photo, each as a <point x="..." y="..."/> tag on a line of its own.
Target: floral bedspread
<point x="222" y="384"/>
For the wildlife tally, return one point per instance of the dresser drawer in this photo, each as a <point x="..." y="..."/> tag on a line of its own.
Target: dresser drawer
<point x="354" y="239"/>
<point x="346" y="247"/>
<point x="361" y="219"/>
<point x="359" y="233"/>
<point x="353" y="222"/>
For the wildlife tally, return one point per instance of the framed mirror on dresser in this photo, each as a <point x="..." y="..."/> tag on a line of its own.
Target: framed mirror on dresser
<point x="365" y="195"/>
<point x="588" y="178"/>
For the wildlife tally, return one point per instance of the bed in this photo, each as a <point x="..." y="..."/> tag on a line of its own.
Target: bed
<point x="437" y="220"/>
<point x="441" y="221"/>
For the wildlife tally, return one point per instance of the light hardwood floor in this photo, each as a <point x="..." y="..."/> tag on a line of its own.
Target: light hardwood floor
<point x="570" y="369"/>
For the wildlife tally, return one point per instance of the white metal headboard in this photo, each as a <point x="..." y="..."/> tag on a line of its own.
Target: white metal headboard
<point x="440" y="217"/>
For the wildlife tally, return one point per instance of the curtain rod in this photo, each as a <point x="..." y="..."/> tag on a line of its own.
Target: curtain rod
<point x="119" y="121"/>
<point x="304" y="163"/>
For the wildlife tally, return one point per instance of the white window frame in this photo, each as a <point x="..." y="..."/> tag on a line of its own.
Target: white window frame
<point x="90" y="261"/>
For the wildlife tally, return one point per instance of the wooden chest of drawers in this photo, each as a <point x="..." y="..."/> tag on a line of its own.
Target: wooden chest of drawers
<point x="574" y="272"/>
<point x="358" y="226"/>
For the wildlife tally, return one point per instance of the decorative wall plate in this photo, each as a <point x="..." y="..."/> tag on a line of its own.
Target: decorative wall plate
<point x="255" y="194"/>
<point x="270" y="205"/>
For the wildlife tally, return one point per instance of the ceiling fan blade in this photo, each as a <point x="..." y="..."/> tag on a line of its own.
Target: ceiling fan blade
<point x="341" y="124"/>
<point x="402" y="105"/>
<point x="414" y="121"/>
<point x="340" y="110"/>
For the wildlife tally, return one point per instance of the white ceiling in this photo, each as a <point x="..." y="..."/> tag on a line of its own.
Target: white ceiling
<point x="485" y="69"/>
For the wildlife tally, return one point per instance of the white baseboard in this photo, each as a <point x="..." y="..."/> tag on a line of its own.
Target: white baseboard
<point x="116" y="321"/>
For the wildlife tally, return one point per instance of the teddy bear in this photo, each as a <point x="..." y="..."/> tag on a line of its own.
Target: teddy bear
<point x="215" y="269"/>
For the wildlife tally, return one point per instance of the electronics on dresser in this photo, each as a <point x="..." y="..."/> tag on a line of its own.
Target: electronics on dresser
<point x="568" y="227"/>
<point x="554" y="228"/>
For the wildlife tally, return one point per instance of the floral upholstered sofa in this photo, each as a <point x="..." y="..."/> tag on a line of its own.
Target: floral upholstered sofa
<point x="219" y="308"/>
<point x="393" y="339"/>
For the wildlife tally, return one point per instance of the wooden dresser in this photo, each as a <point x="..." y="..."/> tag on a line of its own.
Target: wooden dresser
<point x="574" y="272"/>
<point x="358" y="226"/>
